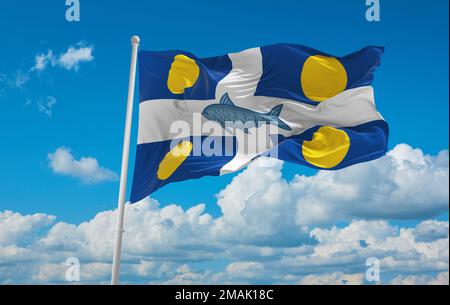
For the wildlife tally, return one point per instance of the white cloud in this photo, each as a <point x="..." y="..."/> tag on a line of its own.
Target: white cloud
<point x="68" y="60"/>
<point x="19" y="79"/>
<point x="42" y="60"/>
<point x="335" y="278"/>
<point x="406" y="184"/>
<point x="266" y="209"/>
<point x="86" y="168"/>
<point x="184" y="275"/>
<point x="14" y="227"/>
<point x="245" y="270"/>
<point x="259" y="238"/>
<point x="71" y="59"/>
<point x="441" y="278"/>
<point x="160" y="244"/>
<point x="395" y="248"/>
<point x="15" y="81"/>
<point x="430" y="230"/>
<point x="46" y="106"/>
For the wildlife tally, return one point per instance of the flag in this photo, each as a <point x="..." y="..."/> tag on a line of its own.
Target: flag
<point x="212" y="116"/>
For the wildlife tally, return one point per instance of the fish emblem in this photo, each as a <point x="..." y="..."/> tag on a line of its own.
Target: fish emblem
<point x="227" y="111"/>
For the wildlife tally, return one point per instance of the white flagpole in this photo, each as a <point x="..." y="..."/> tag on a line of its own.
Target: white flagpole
<point x="124" y="171"/>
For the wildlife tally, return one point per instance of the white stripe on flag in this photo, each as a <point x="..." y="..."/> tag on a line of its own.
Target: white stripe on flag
<point x="350" y="108"/>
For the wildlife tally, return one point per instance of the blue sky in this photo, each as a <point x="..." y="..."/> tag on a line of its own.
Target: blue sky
<point x="411" y="86"/>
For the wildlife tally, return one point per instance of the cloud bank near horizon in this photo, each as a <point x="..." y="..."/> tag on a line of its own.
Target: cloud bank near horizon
<point x="270" y="231"/>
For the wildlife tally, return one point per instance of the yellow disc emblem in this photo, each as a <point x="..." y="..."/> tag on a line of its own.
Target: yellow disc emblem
<point x="183" y="74"/>
<point x="328" y="147"/>
<point x="323" y="77"/>
<point x="174" y="159"/>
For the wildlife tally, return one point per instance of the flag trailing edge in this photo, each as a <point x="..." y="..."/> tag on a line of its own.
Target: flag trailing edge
<point x="323" y="108"/>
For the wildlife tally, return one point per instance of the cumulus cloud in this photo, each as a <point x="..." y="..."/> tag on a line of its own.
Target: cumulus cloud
<point x="262" y="235"/>
<point x="335" y="278"/>
<point x="265" y="208"/>
<point x="442" y="278"/>
<point x="396" y="248"/>
<point x="15" y="227"/>
<point x="161" y="243"/>
<point x="429" y="230"/>
<point x="245" y="270"/>
<point x="87" y="169"/>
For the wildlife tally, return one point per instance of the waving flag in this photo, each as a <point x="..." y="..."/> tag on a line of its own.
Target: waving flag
<point x="212" y="116"/>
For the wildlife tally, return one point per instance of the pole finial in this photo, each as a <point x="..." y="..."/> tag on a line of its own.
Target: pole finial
<point x="135" y="39"/>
